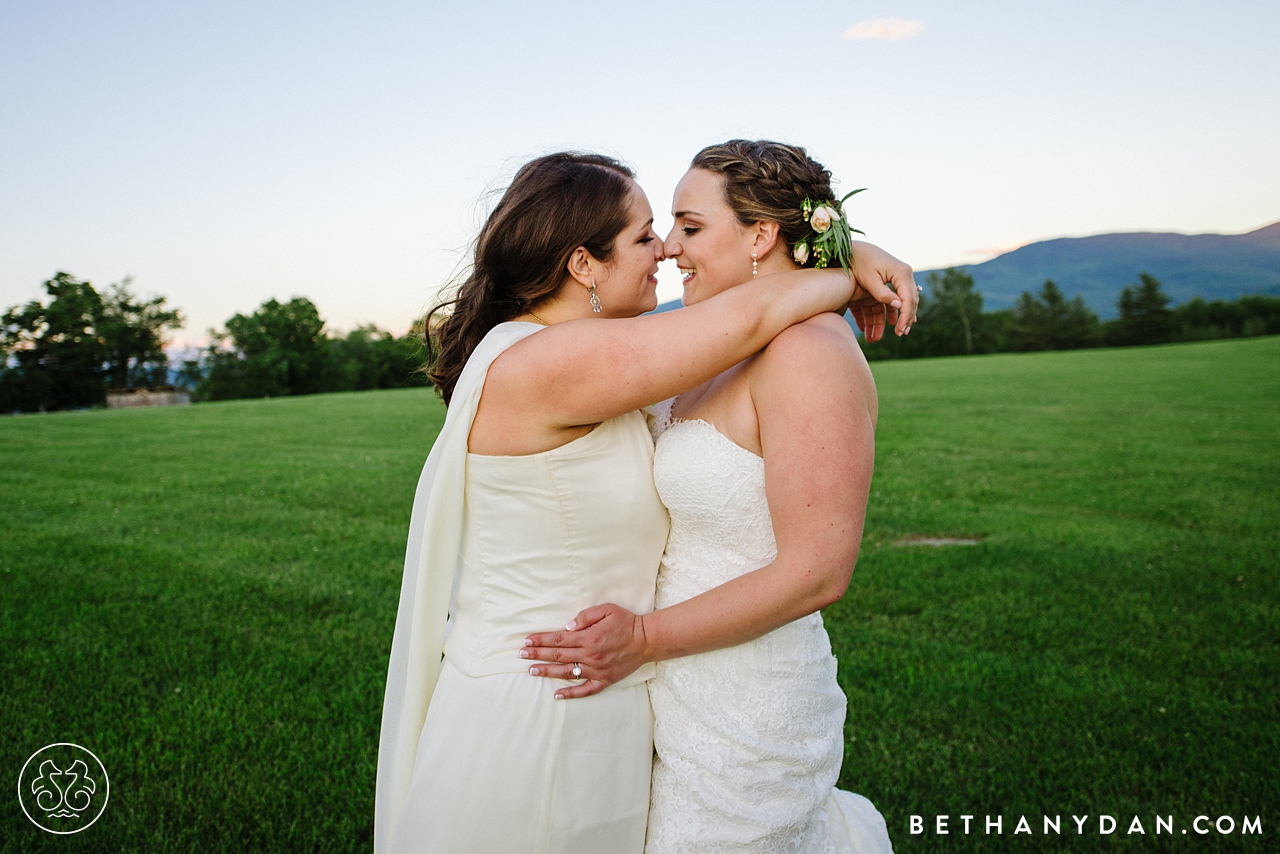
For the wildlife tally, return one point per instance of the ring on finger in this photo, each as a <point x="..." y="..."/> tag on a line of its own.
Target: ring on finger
<point x="577" y="670"/>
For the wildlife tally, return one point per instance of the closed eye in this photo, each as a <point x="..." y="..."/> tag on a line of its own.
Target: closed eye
<point x="688" y="229"/>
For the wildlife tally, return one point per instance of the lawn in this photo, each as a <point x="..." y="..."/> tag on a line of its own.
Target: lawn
<point x="204" y="596"/>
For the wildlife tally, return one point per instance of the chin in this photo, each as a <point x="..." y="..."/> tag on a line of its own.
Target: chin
<point x="695" y="297"/>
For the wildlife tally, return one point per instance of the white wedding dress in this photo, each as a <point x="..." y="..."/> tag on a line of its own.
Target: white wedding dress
<point x="749" y="739"/>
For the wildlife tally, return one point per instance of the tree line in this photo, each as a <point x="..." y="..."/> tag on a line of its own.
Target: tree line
<point x="67" y="351"/>
<point x="283" y="349"/>
<point x="952" y="322"/>
<point x="66" y="354"/>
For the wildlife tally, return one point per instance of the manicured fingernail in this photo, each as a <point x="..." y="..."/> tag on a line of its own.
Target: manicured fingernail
<point x="571" y="625"/>
<point x="534" y="671"/>
<point x="524" y="653"/>
<point x="896" y="303"/>
<point x="528" y="642"/>
<point x="559" y="696"/>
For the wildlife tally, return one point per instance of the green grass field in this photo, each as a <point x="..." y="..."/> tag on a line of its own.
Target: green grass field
<point x="204" y="596"/>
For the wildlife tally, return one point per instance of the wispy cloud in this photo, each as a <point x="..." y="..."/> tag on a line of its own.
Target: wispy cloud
<point x="885" y="30"/>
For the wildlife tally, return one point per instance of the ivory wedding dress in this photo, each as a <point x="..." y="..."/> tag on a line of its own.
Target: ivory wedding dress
<point x="749" y="739"/>
<point x="485" y="759"/>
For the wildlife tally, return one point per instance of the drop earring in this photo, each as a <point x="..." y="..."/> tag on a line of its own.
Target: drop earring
<point x="595" y="300"/>
<point x="753" y="265"/>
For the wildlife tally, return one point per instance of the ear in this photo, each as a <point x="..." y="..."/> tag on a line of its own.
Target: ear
<point x="764" y="237"/>
<point x="583" y="267"/>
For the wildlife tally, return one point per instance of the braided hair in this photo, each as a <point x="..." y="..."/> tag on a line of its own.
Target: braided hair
<point x="766" y="180"/>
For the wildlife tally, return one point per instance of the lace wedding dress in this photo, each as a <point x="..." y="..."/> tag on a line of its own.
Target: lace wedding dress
<point x="749" y="739"/>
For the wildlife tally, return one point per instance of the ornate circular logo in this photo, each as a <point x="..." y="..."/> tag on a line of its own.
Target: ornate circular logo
<point x="63" y="788"/>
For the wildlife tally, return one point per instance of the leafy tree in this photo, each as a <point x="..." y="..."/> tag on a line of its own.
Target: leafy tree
<point x="1050" y="321"/>
<point x="132" y="332"/>
<point x="1145" y="317"/>
<point x="52" y="355"/>
<point x="281" y="349"/>
<point x="369" y="357"/>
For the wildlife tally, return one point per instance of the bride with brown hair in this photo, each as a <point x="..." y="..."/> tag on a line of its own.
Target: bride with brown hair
<point x="765" y="470"/>
<point x="537" y="500"/>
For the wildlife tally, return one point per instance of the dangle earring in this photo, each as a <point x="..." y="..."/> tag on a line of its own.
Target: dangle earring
<point x="595" y="300"/>
<point x="753" y="265"/>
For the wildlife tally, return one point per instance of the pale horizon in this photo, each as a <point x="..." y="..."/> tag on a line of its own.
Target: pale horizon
<point x="223" y="155"/>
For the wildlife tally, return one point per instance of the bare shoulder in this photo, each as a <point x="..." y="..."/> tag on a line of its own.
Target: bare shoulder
<point x="822" y="340"/>
<point x="814" y="366"/>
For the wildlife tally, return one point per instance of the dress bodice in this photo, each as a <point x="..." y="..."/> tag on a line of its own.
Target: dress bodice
<point x="547" y="535"/>
<point x="714" y="491"/>
<point x="749" y="739"/>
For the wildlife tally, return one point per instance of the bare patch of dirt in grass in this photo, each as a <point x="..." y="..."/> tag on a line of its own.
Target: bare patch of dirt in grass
<point x="938" y="541"/>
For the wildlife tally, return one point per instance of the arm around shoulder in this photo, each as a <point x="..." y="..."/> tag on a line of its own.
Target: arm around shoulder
<point x="586" y="371"/>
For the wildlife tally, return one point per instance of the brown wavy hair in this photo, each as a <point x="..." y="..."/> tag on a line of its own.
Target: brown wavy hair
<point x="767" y="180"/>
<point x="554" y="205"/>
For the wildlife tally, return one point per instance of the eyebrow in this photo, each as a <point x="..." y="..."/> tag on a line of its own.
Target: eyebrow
<point x="679" y="214"/>
<point x="647" y="225"/>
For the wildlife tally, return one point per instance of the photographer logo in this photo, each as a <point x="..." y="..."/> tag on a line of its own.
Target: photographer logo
<point x="63" y="788"/>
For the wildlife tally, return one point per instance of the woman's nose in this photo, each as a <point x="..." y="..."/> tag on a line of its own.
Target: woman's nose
<point x="671" y="247"/>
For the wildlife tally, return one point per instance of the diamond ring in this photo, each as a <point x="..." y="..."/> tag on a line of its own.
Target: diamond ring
<point x="919" y="289"/>
<point x="577" y="670"/>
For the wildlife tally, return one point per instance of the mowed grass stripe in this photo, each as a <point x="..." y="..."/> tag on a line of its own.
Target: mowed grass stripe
<point x="205" y="597"/>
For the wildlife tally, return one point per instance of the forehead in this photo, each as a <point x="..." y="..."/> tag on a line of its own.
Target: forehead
<point x="699" y="191"/>
<point x="639" y="204"/>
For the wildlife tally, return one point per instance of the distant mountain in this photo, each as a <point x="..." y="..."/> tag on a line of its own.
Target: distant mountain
<point x="1213" y="266"/>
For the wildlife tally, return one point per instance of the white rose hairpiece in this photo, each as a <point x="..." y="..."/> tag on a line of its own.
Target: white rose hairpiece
<point x="833" y="236"/>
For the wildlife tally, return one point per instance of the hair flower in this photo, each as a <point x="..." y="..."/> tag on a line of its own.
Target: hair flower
<point x="833" y="234"/>
<point x="821" y="218"/>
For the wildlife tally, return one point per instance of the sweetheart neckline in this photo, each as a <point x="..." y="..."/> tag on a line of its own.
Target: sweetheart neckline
<point x="676" y="420"/>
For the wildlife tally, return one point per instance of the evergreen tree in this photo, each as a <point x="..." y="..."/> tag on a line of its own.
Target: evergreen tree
<point x="1198" y="319"/>
<point x="1051" y="322"/>
<point x="1145" y="317"/>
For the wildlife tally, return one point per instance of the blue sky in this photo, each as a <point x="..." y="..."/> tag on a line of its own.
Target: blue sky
<point x="223" y="154"/>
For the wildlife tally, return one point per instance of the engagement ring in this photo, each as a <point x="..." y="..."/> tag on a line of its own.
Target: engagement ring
<point x="577" y="670"/>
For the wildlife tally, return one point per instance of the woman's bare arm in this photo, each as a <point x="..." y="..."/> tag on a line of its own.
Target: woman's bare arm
<point x="815" y="400"/>
<point x="586" y="371"/>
